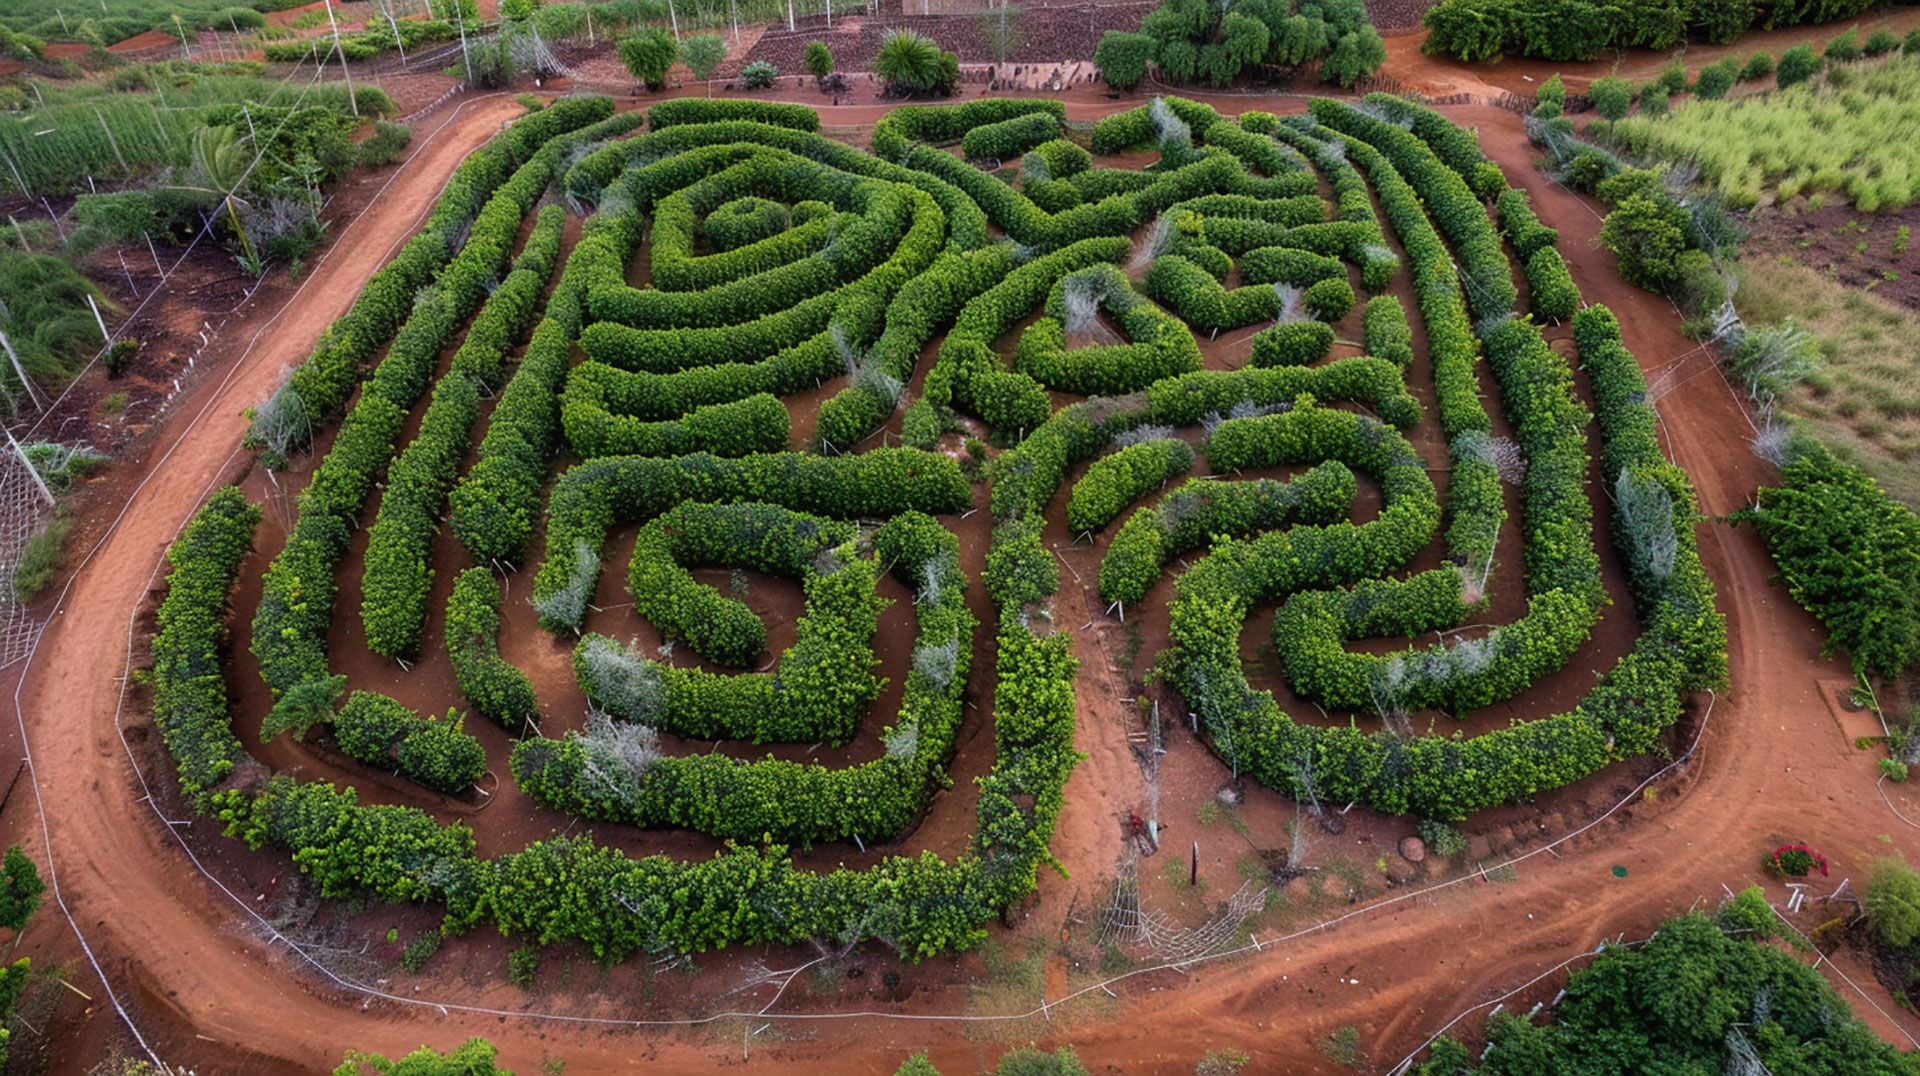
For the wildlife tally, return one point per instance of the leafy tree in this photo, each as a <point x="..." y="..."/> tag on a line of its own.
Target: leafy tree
<point x="1844" y="48"/>
<point x="1612" y="97"/>
<point x="648" y="54"/>
<point x="20" y="890"/>
<point x="1716" y="79"/>
<point x="475" y="1057"/>
<point x="917" y="1065"/>
<point x="1892" y="900"/>
<point x="911" y="63"/>
<point x="302" y="706"/>
<point x="518" y="10"/>
<point x="1552" y="96"/>
<point x="1719" y="21"/>
<point x="1653" y="100"/>
<point x="1758" y="66"/>
<point x="1672" y="77"/>
<point x="702" y="53"/>
<point x="1030" y="1062"/>
<point x="1797" y="65"/>
<point x="819" y="59"/>
<point x="1354" y="57"/>
<point x="1123" y="58"/>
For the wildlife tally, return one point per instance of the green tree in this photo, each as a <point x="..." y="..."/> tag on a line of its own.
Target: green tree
<point x="1797" y="65"/>
<point x="819" y="59"/>
<point x="1892" y="900"/>
<point x="20" y="890"/>
<point x="648" y="54"/>
<point x="917" y="1065"/>
<point x="702" y="53"/>
<point x="518" y="10"/>
<point x="1123" y="58"/>
<point x="1031" y="1062"/>
<point x="302" y="706"/>
<point x="1354" y="57"/>
<point x="1612" y="97"/>
<point x="1758" y="66"/>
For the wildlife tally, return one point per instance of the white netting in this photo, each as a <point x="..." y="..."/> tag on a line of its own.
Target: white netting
<point x="1122" y="922"/>
<point x="24" y="507"/>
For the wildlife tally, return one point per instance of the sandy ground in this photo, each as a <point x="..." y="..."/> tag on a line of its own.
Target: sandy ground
<point x="1773" y="763"/>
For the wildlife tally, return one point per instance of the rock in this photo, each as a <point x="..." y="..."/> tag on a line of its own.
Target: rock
<point x="1478" y="847"/>
<point x="1413" y="849"/>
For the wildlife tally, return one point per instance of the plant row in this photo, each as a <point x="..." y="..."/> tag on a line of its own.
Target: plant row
<point x="1159" y="345"/>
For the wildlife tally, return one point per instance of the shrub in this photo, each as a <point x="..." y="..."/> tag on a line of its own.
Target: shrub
<point x="1551" y="285"/>
<point x="818" y="59"/>
<point x="1329" y="300"/>
<point x="648" y="54"/>
<point x="1716" y="79"/>
<point x="1611" y="96"/>
<point x="1797" y="65"/>
<point x="1123" y="58"/>
<point x="1115" y="481"/>
<point x="1880" y="43"/>
<point x="911" y="64"/>
<point x="1758" y="66"/>
<point x="495" y="689"/>
<point x="1643" y="235"/>
<point x="758" y="75"/>
<point x="1297" y="343"/>
<point x="1892" y="901"/>
<point x="436" y="753"/>
<point x="702" y="53"/>
<point x="1653" y="100"/>
<point x="1795" y="861"/>
<point x="1672" y="78"/>
<point x="1844" y="48"/>
<point x="388" y="140"/>
<point x="1552" y="97"/>
<point x="20" y="889"/>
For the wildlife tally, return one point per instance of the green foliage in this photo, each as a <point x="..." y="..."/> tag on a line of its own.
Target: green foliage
<point x="1115" y="481"/>
<point x="758" y="75"/>
<point x="1552" y="293"/>
<point x="1844" y="48"/>
<point x="1643" y="233"/>
<point x="684" y="110"/>
<point x="1686" y="1001"/>
<point x="1009" y="138"/>
<point x="818" y="59"/>
<point x="189" y="693"/>
<point x="702" y="53"/>
<point x="1798" y="64"/>
<point x="1758" y="66"/>
<point x="496" y="689"/>
<point x="1892" y="901"/>
<point x="1611" y="96"/>
<point x="1849" y="554"/>
<point x="1716" y="79"/>
<point x="912" y="64"/>
<point x="385" y="734"/>
<point x="44" y="312"/>
<point x="20" y="889"/>
<point x="475" y="1057"/>
<point x="41" y="558"/>
<point x="1123" y="58"/>
<point x="648" y="54"/>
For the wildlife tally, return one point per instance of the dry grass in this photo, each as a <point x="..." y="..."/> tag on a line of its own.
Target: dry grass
<point x="1865" y="401"/>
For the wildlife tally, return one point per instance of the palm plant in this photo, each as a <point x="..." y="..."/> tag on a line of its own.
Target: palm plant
<point x="911" y="63"/>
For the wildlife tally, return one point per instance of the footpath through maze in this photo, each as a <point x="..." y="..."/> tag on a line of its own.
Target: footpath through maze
<point x="1291" y="354"/>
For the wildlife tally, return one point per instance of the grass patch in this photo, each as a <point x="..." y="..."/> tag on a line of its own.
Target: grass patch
<point x="40" y="559"/>
<point x="1864" y="402"/>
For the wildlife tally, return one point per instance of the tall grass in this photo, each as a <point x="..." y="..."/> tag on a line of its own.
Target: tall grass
<point x="116" y="21"/>
<point x="92" y="130"/>
<point x="1864" y="401"/>
<point x="1855" y="131"/>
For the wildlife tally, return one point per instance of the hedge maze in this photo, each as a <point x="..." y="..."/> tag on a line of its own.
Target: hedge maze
<point x="768" y="351"/>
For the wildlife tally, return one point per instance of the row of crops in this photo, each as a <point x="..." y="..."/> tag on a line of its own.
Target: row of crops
<point x="779" y="264"/>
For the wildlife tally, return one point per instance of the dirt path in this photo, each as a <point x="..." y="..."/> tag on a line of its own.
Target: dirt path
<point x="1772" y="765"/>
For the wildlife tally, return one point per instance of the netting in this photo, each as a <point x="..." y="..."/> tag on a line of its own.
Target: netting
<point x="1124" y="922"/>
<point x="24" y="507"/>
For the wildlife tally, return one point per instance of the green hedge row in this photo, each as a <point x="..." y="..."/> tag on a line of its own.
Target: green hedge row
<point x="1192" y="516"/>
<point x="945" y="125"/>
<point x="291" y="624"/>
<point x="922" y="307"/>
<point x="1522" y="227"/>
<point x="592" y="497"/>
<point x="1190" y="291"/>
<point x="1009" y="138"/>
<point x="1292" y="343"/>
<point x="764" y="537"/>
<point x="382" y="733"/>
<point x="591" y="176"/>
<point x="757" y="423"/>
<point x="1158" y="346"/>
<point x="683" y="110"/>
<point x="1059" y="159"/>
<point x="1118" y="480"/>
<point x="1286" y="265"/>
<point x="327" y="378"/>
<point x="496" y="503"/>
<point x="1136" y="129"/>
<point x="968" y="374"/>
<point x="189" y="690"/>
<point x="494" y="687"/>
<point x="1385" y="332"/>
<point x="393" y="603"/>
<point x="790" y="801"/>
<point x="1550" y="288"/>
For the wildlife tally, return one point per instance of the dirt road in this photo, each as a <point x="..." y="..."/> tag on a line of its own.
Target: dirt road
<point x="1773" y="765"/>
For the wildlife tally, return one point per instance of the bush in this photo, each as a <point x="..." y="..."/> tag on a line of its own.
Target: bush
<point x="1551" y="100"/>
<point x="1880" y="43"/>
<point x="1554" y="294"/>
<point x="1297" y="343"/>
<point x="436" y="753"/>
<point x="495" y="689"/>
<point x="911" y="64"/>
<point x="1758" y="66"/>
<point x="1123" y="58"/>
<point x="758" y="75"/>
<point x="702" y="53"/>
<point x="20" y="889"/>
<point x="1716" y="79"/>
<point x="1892" y="901"/>
<point x="1611" y="96"/>
<point x="1672" y="78"/>
<point x="1653" y="100"/>
<point x="1115" y="481"/>
<point x="1797" y="65"/>
<point x="1009" y="138"/>
<point x="388" y="140"/>
<point x="648" y="54"/>
<point x="1844" y="48"/>
<point x="818" y="59"/>
<point x="1329" y="300"/>
<point x="1642" y="233"/>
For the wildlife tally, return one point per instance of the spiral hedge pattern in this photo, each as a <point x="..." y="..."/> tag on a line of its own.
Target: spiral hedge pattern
<point x="732" y="259"/>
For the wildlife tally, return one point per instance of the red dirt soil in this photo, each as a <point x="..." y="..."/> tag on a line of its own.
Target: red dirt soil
<point x="1772" y="764"/>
